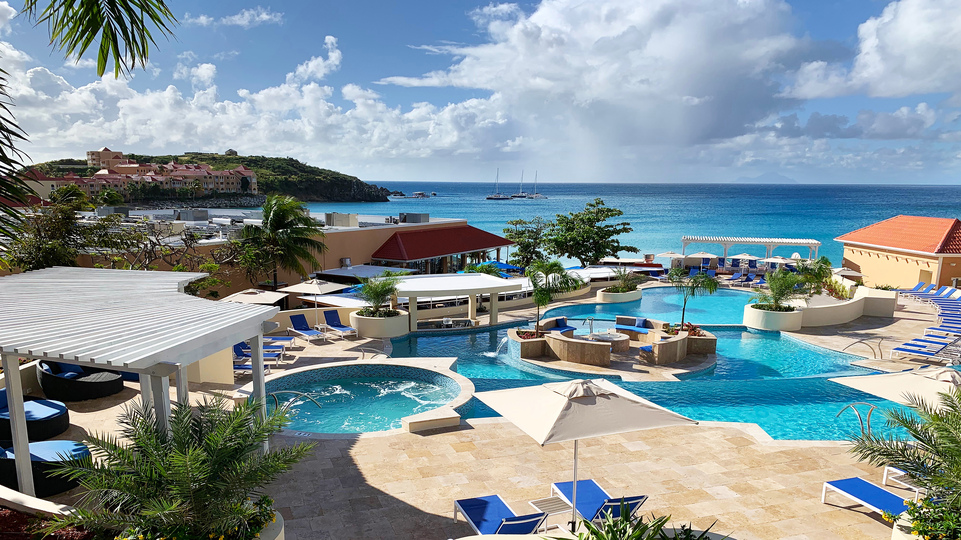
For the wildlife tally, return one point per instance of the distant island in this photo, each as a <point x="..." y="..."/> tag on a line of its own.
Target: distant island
<point x="766" y="178"/>
<point x="274" y="175"/>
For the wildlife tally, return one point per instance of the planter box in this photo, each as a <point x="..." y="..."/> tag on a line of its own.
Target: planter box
<point x="275" y="530"/>
<point x="706" y="344"/>
<point x="759" y="319"/>
<point x="530" y="348"/>
<point x="616" y="298"/>
<point x="28" y="377"/>
<point x="381" y="327"/>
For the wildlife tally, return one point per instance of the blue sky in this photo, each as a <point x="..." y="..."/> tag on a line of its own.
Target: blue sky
<point x="607" y="90"/>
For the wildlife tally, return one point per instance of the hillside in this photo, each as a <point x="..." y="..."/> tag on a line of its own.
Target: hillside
<point x="285" y="176"/>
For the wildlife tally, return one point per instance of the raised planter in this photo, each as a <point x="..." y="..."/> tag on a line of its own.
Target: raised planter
<point x="530" y="348"/>
<point x="381" y="327"/>
<point x="760" y="319"/>
<point x="616" y="298"/>
<point x="274" y="530"/>
<point x="706" y="344"/>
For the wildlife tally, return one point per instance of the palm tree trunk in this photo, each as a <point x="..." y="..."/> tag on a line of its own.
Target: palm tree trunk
<point x="683" y="313"/>
<point x="275" y="275"/>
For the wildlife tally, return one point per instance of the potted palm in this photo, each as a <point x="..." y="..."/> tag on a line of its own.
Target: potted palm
<point x="376" y="320"/>
<point x="689" y="287"/>
<point x="549" y="279"/>
<point x="624" y="290"/>
<point x="203" y="477"/>
<point x="769" y="309"/>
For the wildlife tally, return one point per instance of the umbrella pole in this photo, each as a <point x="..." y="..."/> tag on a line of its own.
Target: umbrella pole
<point x="574" y="494"/>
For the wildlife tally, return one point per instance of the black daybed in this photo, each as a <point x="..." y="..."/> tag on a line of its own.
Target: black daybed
<point x="45" y="418"/>
<point x="44" y="458"/>
<point x="67" y="382"/>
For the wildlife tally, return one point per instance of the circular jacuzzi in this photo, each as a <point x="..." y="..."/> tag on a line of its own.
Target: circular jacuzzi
<point x="360" y="398"/>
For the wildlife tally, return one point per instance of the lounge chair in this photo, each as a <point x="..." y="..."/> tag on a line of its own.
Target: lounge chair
<point x="752" y="265"/>
<point x="736" y="265"/>
<point x="913" y="351"/>
<point x="901" y="478"/>
<point x="333" y="324"/>
<point x="947" y="330"/>
<point x="45" y="458"/>
<point x="45" y="418"/>
<point x="242" y="354"/>
<point x="68" y="382"/>
<point x="693" y="272"/>
<point x="866" y="494"/>
<point x="924" y="290"/>
<point x="760" y="283"/>
<point x="940" y="294"/>
<point x="735" y="277"/>
<point x="593" y="502"/>
<point x="302" y="329"/>
<point x="491" y="515"/>
<point x="286" y="341"/>
<point x="631" y="326"/>
<point x="915" y="289"/>
<point x="747" y="280"/>
<point x="712" y="273"/>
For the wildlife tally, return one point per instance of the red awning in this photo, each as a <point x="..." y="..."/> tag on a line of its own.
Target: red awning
<point x="408" y="246"/>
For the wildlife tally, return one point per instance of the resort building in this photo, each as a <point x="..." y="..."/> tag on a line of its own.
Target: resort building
<point x="104" y="157"/>
<point x="438" y="251"/>
<point x="904" y="250"/>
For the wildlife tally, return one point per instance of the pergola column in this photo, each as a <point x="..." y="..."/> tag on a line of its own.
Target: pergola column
<point x="493" y="317"/>
<point x="160" y="388"/>
<point x="498" y="254"/>
<point x="472" y="306"/>
<point x="146" y="393"/>
<point x="259" y="393"/>
<point x="412" y="311"/>
<point x="18" y="423"/>
<point x="183" y="390"/>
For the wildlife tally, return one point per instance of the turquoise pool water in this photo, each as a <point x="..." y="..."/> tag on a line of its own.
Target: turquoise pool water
<point x="775" y="381"/>
<point x="726" y="306"/>
<point x="359" y="405"/>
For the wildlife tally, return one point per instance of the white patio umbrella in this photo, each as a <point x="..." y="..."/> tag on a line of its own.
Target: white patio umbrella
<point x="847" y="272"/>
<point x="745" y="257"/>
<point x="578" y="409"/>
<point x="777" y="259"/>
<point x="701" y="255"/>
<point x="314" y="287"/>
<point x="670" y="255"/>
<point x="924" y="383"/>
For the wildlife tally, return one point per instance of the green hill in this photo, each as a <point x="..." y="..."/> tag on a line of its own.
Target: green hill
<point x="285" y="176"/>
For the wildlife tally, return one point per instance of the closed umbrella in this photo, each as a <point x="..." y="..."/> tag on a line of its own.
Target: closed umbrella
<point x="578" y="409"/>
<point x="315" y="287"/>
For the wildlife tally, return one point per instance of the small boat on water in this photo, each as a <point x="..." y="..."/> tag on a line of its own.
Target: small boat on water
<point x="497" y="195"/>
<point x="536" y="195"/>
<point x="521" y="194"/>
<point x="419" y="195"/>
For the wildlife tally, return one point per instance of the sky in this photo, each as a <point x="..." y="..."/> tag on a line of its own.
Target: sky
<point x="842" y="91"/>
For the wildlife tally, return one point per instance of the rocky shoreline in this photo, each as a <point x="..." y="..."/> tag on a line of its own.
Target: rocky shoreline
<point x="244" y="201"/>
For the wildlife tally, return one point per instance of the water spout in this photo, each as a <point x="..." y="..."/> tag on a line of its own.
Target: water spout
<point x="500" y="346"/>
<point x="590" y="321"/>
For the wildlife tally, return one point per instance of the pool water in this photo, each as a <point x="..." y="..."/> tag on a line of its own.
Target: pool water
<point x="359" y="405"/>
<point x="726" y="306"/>
<point x="773" y="380"/>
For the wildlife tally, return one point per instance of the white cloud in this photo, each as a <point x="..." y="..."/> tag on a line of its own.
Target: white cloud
<point x="249" y="18"/>
<point x="79" y="63"/>
<point x="318" y="67"/>
<point x="913" y="47"/>
<point x="199" y="20"/>
<point x="200" y="76"/>
<point x="226" y="55"/>
<point x="7" y="14"/>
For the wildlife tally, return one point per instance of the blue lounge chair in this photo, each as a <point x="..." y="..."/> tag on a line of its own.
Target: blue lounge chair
<point x="705" y="262"/>
<point x="939" y="294"/>
<point x="287" y="341"/>
<point x="632" y="326"/>
<point x="720" y="263"/>
<point x="735" y="264"/>
<point x="943" y="331"/>
<point x="302" y="329"/>
<point x="241" y="354"/>
<point x="560" y="325"/>
<point x="760" y="283"/>
<point x="749" y="279"/>
<point x="866" y="494"/>
<point x="712" y="273"/>
<point x="751" y="265"/>
<point x="491" y="515"/>
<point x="925" y="290"/>
<point x="910" y="350"/>
<point x="332" y="323"/>
<point x="593" y="502"/>
<point x="693" y="272"/>
<point x="735" y="277"/>
<point x="915" y="289"/>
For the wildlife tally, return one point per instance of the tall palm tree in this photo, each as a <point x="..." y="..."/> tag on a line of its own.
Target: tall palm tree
<point x="548" y="279"/>
<point x="691" y="287"/>
<point x="287" y="238"/>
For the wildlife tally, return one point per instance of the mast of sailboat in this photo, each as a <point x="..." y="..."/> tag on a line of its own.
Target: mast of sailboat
<point x="497" y="177"/>
<point x="535" y="182"/>
<point x="522" y="181"/>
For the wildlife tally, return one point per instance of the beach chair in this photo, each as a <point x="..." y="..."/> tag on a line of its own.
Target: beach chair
<point x="593" y="502"/>
<point x="243" y="354"/>
<point x="693" y="272"/>
<point x="736" y="265"/>
<point x="760" y="283"/>
<point x="332" y="323"/>
<point x="705" y="262"/>
<point x="720" y="263"/>
<point x="912" y="351"/>
<point x="747" y="280"/>
<point x="491" y="515"/>
<point x="924" y="290"/>
<point x="287" y="341"/>
<point x="712" y="273"/>
<point x="752" y="265"/>
<point x="866" y="494"/>
<point x="901" y="478"/>
<point x="930" y="296"/>
<point x="268" y="348"/>
<point x="302" y="329"/>
<point x="735" y="277"/>
<point x="915" y="289"/>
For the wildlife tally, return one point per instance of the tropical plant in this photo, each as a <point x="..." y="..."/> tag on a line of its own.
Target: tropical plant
<point x="687" y="533"/>
<point x="122" y="29"/>
<point x="377" y="291"/>
<point x="586" y="235"/>
<point x="286" y="237"/>
<point x="689" y="287"/>
<point x="109" y="197"/>
<point x="816" y="273"/>
<point x="548" y="279"/>
<point x="622" y="527"/>
<point x="836" y="289"/>
<point x="69" y="195"/>
<point x="885" y="287"/>
<point x="528" y="238"/>
<point x="782" y="286"/>
<point x="482" y="268"/>
<point x="930" y="454"/>
<point x="201" y="478"/>
<point x="627" y="281"/>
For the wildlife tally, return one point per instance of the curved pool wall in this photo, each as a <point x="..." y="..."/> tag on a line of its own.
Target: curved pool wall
<point x="444" y="415"/>
<point x="784" y="390"/>
<point x="726" y="306"/>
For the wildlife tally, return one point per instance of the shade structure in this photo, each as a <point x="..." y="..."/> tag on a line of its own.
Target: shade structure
<point x="924" y="383"/>
<point x="314" y="286"/>
<point x="847" y="272"/>
<point x="578" y="409"/>
<point x="778" y="260"/>
<point x="744" y="257"/>
<point x="670" y="255"/>
<point x="256" y="296"/>
<point x="701" y="255"/>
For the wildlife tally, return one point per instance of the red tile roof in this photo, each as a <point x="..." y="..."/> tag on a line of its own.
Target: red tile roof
<point x="915" y="233"/>
<point x="430" y="243"/>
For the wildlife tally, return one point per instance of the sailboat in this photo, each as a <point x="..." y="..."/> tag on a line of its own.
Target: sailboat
<point x="520" y="194"/>
<point x="497" y="195"/>
<point x="536" y="195"/>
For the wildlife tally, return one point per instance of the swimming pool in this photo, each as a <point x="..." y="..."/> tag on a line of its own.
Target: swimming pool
<point x="726" y="306"/>
<point x="360" y="399"/>
<point x="773" y="380"/>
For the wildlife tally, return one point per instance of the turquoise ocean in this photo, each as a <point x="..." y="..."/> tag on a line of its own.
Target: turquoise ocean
<point x="661" y="213"/>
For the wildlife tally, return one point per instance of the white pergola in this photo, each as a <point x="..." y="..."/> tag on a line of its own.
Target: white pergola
<point x="122" y="320"/>
<point x="469" y="285"/>
<point x="769" y="243"/>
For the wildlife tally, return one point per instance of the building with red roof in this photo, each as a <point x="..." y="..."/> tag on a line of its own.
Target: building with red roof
<point x="904" y="250"/>
<point x="437" y="250"/>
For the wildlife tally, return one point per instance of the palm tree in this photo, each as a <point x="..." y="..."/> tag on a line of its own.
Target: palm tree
<point x="202" y="478"/>
<point x="286" y="237"/>
<point x="548" y="279"/>
<point x="782" y="286"/>
<point x="691" y="287"/>
<point x="377" y="291"/>
<point x="815" y="273"/>
<point x="931" y="454"/>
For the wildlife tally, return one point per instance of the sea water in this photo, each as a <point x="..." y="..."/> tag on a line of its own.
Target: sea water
<point x="661" y="213"/>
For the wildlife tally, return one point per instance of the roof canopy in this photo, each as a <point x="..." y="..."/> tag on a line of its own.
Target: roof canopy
<point x="807" y="242"/>
<point x="910" y="233"/>
<point x="256" y="296"/>
<point x="363" y="271"/>
<point x="454" y="284"/>
<point x="122" y="319"/>
<point x="406" y="246"/>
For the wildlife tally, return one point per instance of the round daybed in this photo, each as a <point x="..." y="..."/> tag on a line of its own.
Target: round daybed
<point x="67" y="382"/>
<point x="44" y="457"/>
<point x="45" y="418"/>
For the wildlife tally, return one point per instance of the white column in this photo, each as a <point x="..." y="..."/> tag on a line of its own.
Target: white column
<point x="183" y="389"/>
<point x="146" y="393"/>
<point x="412" y="309"/>
<point x="493" y="317"/>
<point x="18" y="424"/>
<point x="259" y="393"/>
<point x="472" y="306"/>
<point x="160" y="388"/>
